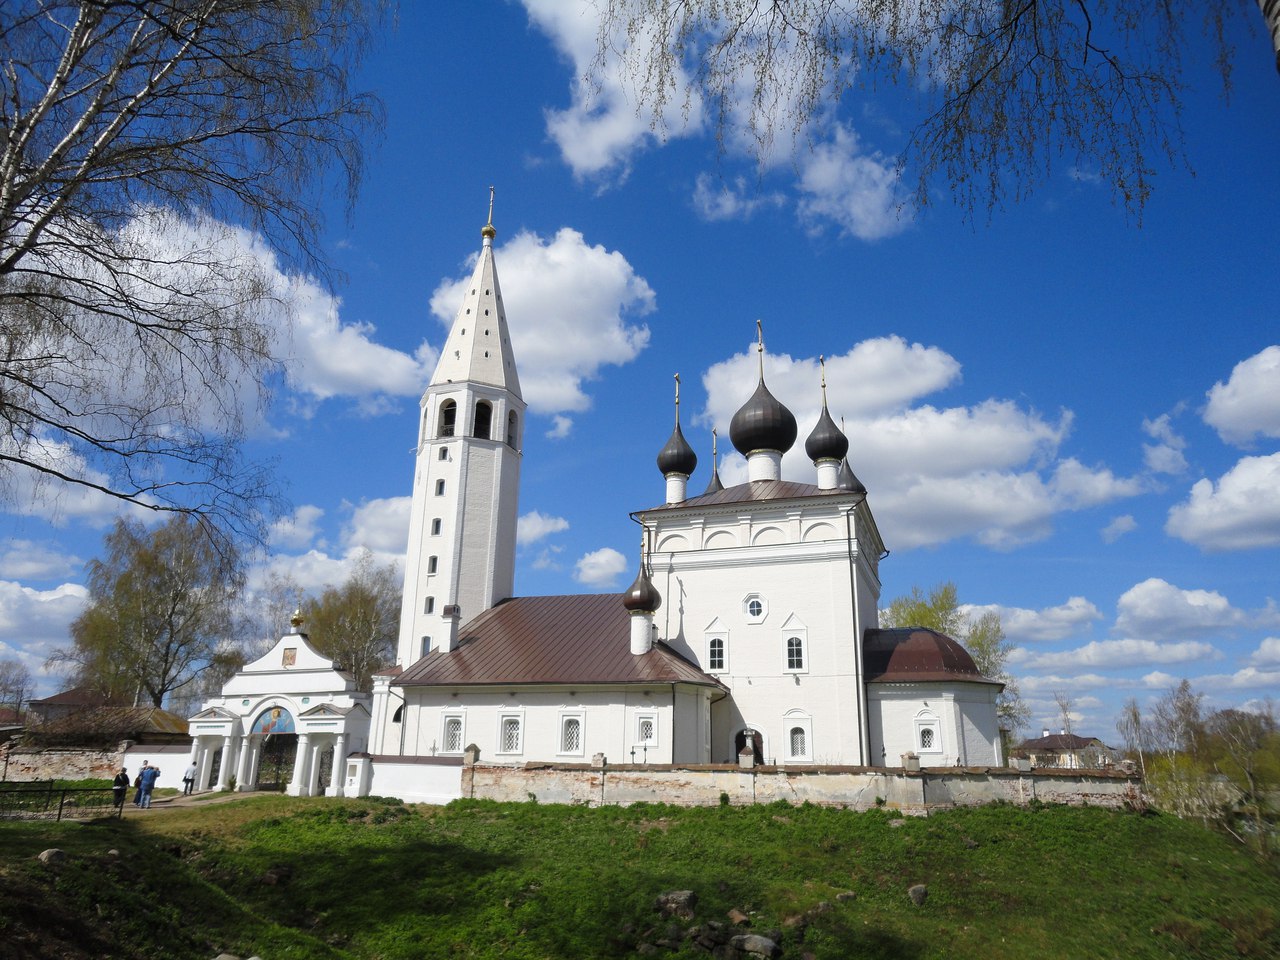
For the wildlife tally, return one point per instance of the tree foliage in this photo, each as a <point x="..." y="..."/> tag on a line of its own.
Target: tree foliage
<point x="137" y="139"/>
<point x="15" y="684"/>
<point x="159" y="612"/>
<point x="983" y="636"/>
<point x="1005" y="91"/>
<point x="356" y="623"/>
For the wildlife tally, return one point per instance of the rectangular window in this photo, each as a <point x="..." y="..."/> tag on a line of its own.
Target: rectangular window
<point x="439" y="488"/>
<point x="436" y="524"/>
<point x="426" y="646"/>
<point x="795" y="653"/>
<point x="429" y="605"/>
<point x="433" y="563"/>
<point x="509" y="739"/>
<point x="452" y="734"/>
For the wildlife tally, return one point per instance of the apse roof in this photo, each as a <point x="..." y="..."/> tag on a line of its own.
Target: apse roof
<point x="551" y="640"/>
<point x="915" y="654"/>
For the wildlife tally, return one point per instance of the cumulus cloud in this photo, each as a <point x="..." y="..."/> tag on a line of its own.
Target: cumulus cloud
<point x="569" y="307"/>
<point x="297" y="531"/>
<point x="858" y="191"/>
<point x="1158" y="610"/>
<point x="534" y="526"/>
<point x="1111" y="654"/>
<point x="29" y="560"/>
<point x="730" y="200"/>
<point x="561" y="427"/>
<point x="1037" y="626"/>
<point x="600" y="131"/>
<point x="600" y="568"/>
<point x="1248" y="404"/>
<point x="1118" y="527"/>
<point x="380" y="526"/>
<point x="1267" y="654"/>
<point x="1239" y="512"/>
<point x="990" y="471"/>
<point x="1164" y="456"/>
<point x="33" y="623"/>
<point x="1053" y="682"/>
<point x="1248" y="678"/>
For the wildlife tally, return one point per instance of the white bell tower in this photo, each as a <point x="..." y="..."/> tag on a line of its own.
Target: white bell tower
<point x="462" y="525"/>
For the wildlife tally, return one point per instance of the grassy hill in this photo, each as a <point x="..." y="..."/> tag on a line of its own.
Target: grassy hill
<point x="319" y="878"/>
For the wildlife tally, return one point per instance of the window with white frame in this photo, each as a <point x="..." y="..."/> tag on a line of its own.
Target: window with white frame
<point x="647" y="729"/>
<point x="510" y="733"/>
<point x="799" y="736"/>
<point x="435" y="527"/>
<point x="928" y="733"/>
<point x="795" y="662"/>
<point x="571" y="739"/>
<point x="452" y="734"/>
<point x="755" y="607"/>
<point x="717" y="653"/>
<point x="433" y="564"/>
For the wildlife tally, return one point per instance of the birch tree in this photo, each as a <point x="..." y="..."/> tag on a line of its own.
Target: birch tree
<point x="357" y="623"/>
<point x="158" y="160"/>
<point x="1000" y="93"/>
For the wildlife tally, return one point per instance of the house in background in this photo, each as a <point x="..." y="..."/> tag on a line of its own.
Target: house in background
<point x="64" y="704"/>
<point x="1065" y="751"/>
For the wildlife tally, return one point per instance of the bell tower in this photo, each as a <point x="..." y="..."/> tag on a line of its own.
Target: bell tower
<point x="462" y="526"/>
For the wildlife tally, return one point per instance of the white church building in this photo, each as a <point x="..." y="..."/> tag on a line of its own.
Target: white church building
<point x="751" y="630"/>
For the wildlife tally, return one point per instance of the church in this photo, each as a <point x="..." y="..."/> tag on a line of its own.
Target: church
<point x="749" y="635"/>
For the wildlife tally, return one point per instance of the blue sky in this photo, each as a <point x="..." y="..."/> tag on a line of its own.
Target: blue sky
<point x="1074" y="417"/>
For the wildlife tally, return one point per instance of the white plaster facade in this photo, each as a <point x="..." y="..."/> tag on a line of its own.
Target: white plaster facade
<point x="290" y="692"/>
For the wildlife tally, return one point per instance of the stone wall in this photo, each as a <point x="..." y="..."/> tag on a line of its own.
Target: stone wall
<point x="856" y="788"/>
<point x="25" y="764"/>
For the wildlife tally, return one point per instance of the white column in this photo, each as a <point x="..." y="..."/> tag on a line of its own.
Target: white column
<point x="228" y="758"/>
<point x="246" y="755"/>
<point x="313" y="768"/>
<point x="339" y="775"/>
<point x="300" y="760"/>
<point x="251" y="767"/>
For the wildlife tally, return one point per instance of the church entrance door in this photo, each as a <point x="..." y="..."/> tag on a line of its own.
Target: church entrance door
<point x="275" y="763"/>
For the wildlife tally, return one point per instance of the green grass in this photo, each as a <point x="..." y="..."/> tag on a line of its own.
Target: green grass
<point x="321" y="878"/>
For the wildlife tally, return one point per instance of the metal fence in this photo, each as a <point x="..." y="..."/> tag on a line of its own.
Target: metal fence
<point x="51" y="802"/>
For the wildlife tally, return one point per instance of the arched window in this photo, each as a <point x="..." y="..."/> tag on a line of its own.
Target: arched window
<point x="571" y="735"/>
<point x="452" y="734"/>
<point x="511" y="429"/>
<point x="799" y="743"/>
<point x="795" y="653"/>
<point x="439" y="488"/>
<point x="715" y="654"/>
<point x="448" y="418"/>
<point x="484" y="420"/>
<point x="429" y="605"/>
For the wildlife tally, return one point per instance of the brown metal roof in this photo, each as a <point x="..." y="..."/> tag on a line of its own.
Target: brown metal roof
<point x="756" y="491"/>
<point x="565" y="639"/>
<point x="1059" y="741"/>
<point x="913" y="654"/>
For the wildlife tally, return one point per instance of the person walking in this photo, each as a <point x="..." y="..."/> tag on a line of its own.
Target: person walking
<point x="120" y="787"/>
<point x="189" y="780"/>
<point x="137" y="785"/>
<point x="149" y="777"/>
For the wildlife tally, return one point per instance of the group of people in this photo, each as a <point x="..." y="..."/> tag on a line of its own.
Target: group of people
<point x="145" y="782"/>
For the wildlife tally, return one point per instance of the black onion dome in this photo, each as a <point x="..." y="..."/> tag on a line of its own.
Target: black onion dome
<point x="762" y="423"/>
<point x="827" y="441"/>
<point x="642" y="596"/>
<point x="846" y="480"/>
<point x="677" y="456"/>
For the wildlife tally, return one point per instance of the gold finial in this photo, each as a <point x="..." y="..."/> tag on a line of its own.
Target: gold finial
<point x="488" y="232"/>
<point x="296" y="620"/>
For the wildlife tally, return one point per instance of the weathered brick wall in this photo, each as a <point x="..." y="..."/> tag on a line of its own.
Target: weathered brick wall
<point x="62" y="763"/>
<point x="854" y="788"/>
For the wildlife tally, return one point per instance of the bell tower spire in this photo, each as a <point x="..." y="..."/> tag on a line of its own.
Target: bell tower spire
<point x="462" y="527"/>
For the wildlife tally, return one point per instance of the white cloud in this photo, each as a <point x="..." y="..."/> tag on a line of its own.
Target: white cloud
<point x="1158" y="610"/>
<point x="568" y="308"/>
<point x="380" y="526"/>
<point x="601" y="129"/>
<point x="1248" y="404"/>
<point x="1241" y="511"/>
<point x="33" y="623"/>
<point x="1248" y="678"/>
<point x="600" y="568"/>
<point x="1110" y="654"/>
<point x="1036" y="626"/>
<point x="989" y="471"/>
<point x="859" y="192"/>
<point x="561" y="427"/>
<point x="1118" y="527"/>
<point x="1166" y="456"/>
<point x="534" y="526"/>
<point x="546" y="559"/>
<point x="1267" y="654"/>
<point x="737" y="200"/>
<point x="297" y="531"/>
<point x="28" y="560"/>
<point x="1052" y="682"/>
